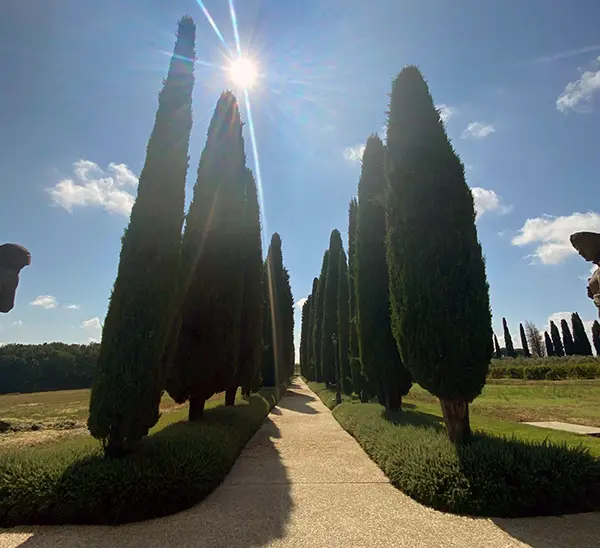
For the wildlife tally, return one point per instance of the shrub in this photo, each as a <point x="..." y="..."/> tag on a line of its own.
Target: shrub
<point x="491" y="476"/>
<point x="553" y="369"/>
<point x="170" y="471"/>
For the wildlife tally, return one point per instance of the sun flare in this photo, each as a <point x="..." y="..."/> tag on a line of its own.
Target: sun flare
<point x="243" y="73"/>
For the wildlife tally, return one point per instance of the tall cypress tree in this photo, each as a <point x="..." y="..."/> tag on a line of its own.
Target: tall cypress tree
<point x="304" y="336"/>
<point x="556" y="342"/>
<point x="510" y="349"/>
<point x="129" y="375"/>
<point x="318" y="324"/>
<point x="549" y="346"/>
<point x="330" y="309"/>
<point x="289" y="351"/>
<point x="497" y="351"/>
<point x="524" y="342"/>
<point x="267" y="368"/>
<point x="379" y="353"/>
<point x="344" y="325"/>
<point x="567" y="338"/>
<point x="251" y="316"/>
<point x="580" y="338"/>
<point x="596" y="336"/>
<point x="439" y="292"/>
<point x="207" y="349"/>
<point x="310" y="332"/>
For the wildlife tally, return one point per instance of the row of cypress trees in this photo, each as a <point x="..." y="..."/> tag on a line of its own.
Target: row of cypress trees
<point x="575" y="343"/>
<point x="195" y="314"/>
<point x="418" y="298"/>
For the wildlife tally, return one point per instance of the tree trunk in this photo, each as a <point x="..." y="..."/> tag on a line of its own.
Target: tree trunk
<point x="363" y="396"/>
<point x="456" y="417"/>
<point x="230" y="395"/>
<point x="115" y="448"/>
<point x="393" y="402"/>
<point x="196" y="409"/>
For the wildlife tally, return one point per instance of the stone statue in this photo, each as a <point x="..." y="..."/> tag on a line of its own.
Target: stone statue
<point x="587" y="245"/>
<point x="13" y="258"/>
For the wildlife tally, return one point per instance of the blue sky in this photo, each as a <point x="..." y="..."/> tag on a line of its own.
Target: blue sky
<point x="518" y="84"/>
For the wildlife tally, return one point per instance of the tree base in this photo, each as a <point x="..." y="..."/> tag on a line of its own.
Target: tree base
<point x="230" y="396"/>
<point x="196" y="411"/>
<point x="393" y="402"/>
<point x="456" y="418"/>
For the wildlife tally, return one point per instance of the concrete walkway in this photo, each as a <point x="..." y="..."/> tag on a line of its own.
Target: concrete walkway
<point x="302" y="481"/>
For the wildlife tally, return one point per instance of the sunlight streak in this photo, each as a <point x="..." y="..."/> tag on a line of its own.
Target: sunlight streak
<point x="212" y="22"/>
<point x="234" y="24"/>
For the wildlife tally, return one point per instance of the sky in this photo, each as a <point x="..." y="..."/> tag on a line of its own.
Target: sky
<point x="517" y="83"/>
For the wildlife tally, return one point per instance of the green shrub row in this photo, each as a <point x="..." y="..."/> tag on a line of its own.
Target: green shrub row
<point x="550" y="371"/>
<point x="170" y="471"/>
<point x="546" y="360"/>
<point x="491" y="476"/>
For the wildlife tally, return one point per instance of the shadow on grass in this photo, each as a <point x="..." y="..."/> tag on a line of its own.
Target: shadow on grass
<point x="408" y="416"/>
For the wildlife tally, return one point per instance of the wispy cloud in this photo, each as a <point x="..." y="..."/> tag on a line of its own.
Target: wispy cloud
<point x="45" y="301"/>
<point x="550" y="235"/>
<point x="487" y="200"/>
<point x="477" y="130"/>
<point x="566" y="54"/>
<point x="578" y="94"/>
<point x="447" y="112"/>
<point x="92" y="186"/>
<point x="72" y="306"/>
<point x="17" y="323"/>
<point x="355" y="153"/>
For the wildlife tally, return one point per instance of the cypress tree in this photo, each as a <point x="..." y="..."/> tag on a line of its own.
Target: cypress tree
<point x="497" y="351"/>
<point x="438" y="286"/>
<point x="267" y="367"/>
<point x="207" y="349"/>
<point x="379" y="353"/>
<point x="524" y="342"/>
<point x="580" y="338"/>
<point x="289" y="351"/>
<point x="330" y="309"/>
<point x="510" y="349"/>
<point x="129" y="376"/>
<point x="304" y="336"/>
<point x="596" y="336"/>
<point x="549" y="346"/>
<point x="567" y="338"/>
<point x="251" y="317"/>
<point x="344" y="325"/>
<point x="318" y="327"/>
<point x="310" y="331"/>
<point x="556" y="342"/>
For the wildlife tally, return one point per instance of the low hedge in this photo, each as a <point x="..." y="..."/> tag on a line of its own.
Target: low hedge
<point x="491" y="476"/>
<point x="170" y="471"/>
<point x="559" y="370"/>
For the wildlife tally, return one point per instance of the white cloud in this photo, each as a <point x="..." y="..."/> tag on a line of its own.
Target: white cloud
<point x="45" y="301"/>
<point x="447" y="112"/>
<point x="550" y="235"/>
<point x="578" y="94"/>
<point x="488" y="200"/>
<point x="354" y="154"/>
<point x="73" y="306"/>
<point x="93" y="186"/>
<point x="301" y="302"/>
<point x="477" y="130"/>
<point x="17" y="323"/>
<point x="94" y="329"/>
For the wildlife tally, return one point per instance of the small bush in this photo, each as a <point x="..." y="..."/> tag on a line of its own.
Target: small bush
<point x="491" y="476"/>
<point x="170" y="471"/>
<point x="552" y="369"/>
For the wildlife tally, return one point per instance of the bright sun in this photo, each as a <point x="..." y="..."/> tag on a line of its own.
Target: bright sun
<point x="243" y="72"/>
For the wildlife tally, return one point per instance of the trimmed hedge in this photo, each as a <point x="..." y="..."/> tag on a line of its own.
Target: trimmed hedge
<point x="553" y="370"/>
<point x="170" y="471"/>
<point x="491" y="476"/>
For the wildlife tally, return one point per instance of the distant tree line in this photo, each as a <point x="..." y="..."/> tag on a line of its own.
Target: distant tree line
<point x="49" y="366"/>
<point x="574" y="340"/>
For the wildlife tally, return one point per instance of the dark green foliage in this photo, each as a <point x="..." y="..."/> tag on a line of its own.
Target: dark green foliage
<point x="549" y="369"/>
<point x="129" y="375"/>
<point x="556" y="342"/>
<point x="580" y="338"/>
<point x="596" y="336"/>
<point x="318" y="323"/>
<point x="172" y="470"/>
<point x="304" y="336"/>
<point x="330" y="308"/>
<point x="267" y="367"/>
<point x="205" y="355"/>
<point x="524" y="342"/>
<point x="567" y="338"/>
<point x="549" y="346"/>
<point x="491" y="476"/>
<point x="497" y="351"/>
<point x="310" y="348"/>
<point x="379" y="353"/>
<point x="508" y="344"/>
<point x="49" y="366"/>
<point x="438" y="287"/>
<point x="288" y="327"/>
<point x="250" y="353"/>
<point x="344" y="325"/>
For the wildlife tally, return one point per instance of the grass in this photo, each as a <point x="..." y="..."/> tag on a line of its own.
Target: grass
<point x="491" y="476"/>
<point x="172" y="469"/>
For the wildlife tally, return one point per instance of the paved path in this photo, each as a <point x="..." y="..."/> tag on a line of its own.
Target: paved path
<point x="302" y="481"/>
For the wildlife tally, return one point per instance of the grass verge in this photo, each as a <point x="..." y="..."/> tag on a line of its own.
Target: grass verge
<point x="171" y="470"/>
